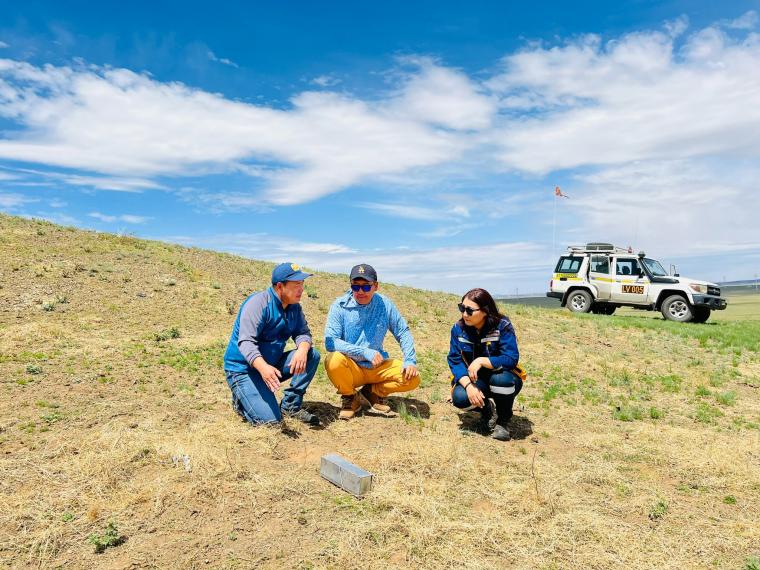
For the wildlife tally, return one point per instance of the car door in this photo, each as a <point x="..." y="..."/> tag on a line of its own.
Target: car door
<point x="629" y="286"/>
<point x="599" y="276"/>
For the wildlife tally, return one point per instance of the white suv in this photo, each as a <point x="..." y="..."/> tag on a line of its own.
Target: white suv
<point x="600" y="277"/>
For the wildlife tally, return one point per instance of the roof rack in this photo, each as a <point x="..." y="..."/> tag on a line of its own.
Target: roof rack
<point x="598" y="247"/>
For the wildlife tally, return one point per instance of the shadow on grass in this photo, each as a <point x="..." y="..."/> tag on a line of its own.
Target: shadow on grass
<point x="519" y="426"/>
<point x="412" y="405"/>
<point x="326" y="412"/>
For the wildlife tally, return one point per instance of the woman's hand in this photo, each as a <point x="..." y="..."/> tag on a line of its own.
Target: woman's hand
<point x="474" y="394"/>
<point x="477" y="364"/>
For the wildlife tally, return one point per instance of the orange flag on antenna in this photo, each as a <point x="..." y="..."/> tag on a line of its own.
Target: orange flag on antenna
<point x="558" y="193"/>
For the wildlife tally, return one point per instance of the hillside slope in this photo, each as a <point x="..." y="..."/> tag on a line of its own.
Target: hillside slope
<point x="638" y="443"/>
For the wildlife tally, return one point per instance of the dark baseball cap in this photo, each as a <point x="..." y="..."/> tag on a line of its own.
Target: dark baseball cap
<point x="363" y="271"/>
<point x="288" y="272"/>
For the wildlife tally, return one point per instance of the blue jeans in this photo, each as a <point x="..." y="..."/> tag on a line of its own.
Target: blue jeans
<point x="503" y="387"/>
<point x="254" y="401"/>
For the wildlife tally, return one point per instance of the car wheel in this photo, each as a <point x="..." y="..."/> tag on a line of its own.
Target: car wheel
<point x="580" y="301"/>
<point x="677" y="308"/>
<point x="701" y="314"/>
<point x="609" y="309"/>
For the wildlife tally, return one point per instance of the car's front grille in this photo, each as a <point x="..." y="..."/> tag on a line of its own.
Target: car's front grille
<point x="713" y="291"/>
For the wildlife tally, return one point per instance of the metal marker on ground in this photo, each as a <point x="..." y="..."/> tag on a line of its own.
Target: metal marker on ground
<point x="345" y="474"/>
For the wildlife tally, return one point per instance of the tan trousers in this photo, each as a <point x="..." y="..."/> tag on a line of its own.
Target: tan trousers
<point x="346" y="375"/>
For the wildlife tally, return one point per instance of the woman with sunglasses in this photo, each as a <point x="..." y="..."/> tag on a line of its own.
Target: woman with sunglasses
<point x="483" y="359"/>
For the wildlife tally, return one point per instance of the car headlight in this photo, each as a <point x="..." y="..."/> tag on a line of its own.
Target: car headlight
<point x="698" y="288"/>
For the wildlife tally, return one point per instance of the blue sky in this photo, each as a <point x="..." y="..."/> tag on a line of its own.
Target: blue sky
<point x="425" y="138"/>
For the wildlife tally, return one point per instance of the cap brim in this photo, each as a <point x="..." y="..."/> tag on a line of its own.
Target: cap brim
<point x="299" y="276"/>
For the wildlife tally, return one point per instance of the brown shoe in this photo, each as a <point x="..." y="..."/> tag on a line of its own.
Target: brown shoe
<point x="377" y="404"/>
<point x="349" y="405"/>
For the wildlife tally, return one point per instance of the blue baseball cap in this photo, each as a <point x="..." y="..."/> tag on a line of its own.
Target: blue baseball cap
<point x="288" y="272"/>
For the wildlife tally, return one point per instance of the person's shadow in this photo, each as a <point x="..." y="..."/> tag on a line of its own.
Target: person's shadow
<point x="520" y="427"/>
<point x="412" y="405"/>
<point x="328" y="413"/>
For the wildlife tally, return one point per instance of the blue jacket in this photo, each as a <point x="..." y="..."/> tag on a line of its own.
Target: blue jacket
<point x="358" y="330"/>
<point x="498" y="344"/>
<point x="262" y="328"/>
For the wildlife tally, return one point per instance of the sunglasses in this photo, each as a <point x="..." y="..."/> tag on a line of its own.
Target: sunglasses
<point x="366" y="288"/>
<point x="468" y="310"/>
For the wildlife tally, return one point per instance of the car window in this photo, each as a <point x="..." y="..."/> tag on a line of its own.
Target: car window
<point x="627" y="267"/>
<point x="567" y="264"/>
<point x="600" y="264"/>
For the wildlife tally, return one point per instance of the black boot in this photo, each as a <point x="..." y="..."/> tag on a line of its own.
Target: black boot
<point x="489" y="416"/>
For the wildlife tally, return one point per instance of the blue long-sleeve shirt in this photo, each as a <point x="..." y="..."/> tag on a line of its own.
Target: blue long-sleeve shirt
<point x="262" y="328"/>
<point x="358" y="330"/>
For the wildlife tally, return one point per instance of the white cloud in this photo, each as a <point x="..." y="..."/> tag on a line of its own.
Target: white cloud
<point x="10" y="201"/>
<point x="501" y="266"/>
<point x="126" y="218"/>
<point x="672" y="209"/>
<point x="118" y="184"/>
<point x="411" y="212"/>
<point x="122" y="124"/>
<point x="444" y="97"/>
<point x="746" y="21"/>
<point x="325" y="81"/>
<point x="3" y="45"/>
<point x="56" y="218"/>
<point x="634" y="98"/>
<point x="223" y="60"/>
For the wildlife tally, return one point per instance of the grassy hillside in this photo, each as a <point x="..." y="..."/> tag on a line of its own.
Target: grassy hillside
<point x="638" y="442"/>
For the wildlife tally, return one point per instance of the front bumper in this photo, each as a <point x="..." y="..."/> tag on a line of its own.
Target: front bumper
<point x="710" y="301"/>
<point x="555" y="294"/>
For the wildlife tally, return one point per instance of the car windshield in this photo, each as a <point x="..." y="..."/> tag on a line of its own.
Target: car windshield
<point x="655" y="268"/>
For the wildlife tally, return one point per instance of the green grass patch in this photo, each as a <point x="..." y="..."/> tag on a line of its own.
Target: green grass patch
<point x="706" y="414"/>
<point x="658" y="510"/>
<point x="726" y="398"/>
<point x="194" y="360"/>
<point x="734" y="335"/>
<point x="627" y="413"/>
<point x="702" y="391"/>
<point x="669" y="382"/>
<point x="409" y="414"/>
<point x="108" y="538"/>
<point x="167" y="334"/>
<point x="655" y="413"/>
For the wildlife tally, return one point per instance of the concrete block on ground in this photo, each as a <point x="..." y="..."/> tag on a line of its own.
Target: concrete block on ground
<point x="345" y="474"/>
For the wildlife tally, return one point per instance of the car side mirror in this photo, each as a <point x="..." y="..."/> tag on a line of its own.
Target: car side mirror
<point x="641" y="274"/>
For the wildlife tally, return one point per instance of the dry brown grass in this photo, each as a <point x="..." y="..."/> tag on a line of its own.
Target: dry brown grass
<point x="96" y="417"/>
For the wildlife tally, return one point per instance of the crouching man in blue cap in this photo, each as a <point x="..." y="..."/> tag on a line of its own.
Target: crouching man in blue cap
<point x="256" y="362"/>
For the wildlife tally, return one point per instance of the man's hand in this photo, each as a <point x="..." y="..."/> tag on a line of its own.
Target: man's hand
<point x="269" y="373"/>
<point x="377" y="360"/>
<point x="409" y="372"/>
<point x="298" y="362"/>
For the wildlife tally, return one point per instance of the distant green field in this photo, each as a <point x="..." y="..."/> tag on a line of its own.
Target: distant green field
<point x="740" y="308"/>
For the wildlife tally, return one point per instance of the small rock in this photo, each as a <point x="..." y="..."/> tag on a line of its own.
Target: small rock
<point x="534" y="439"/>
